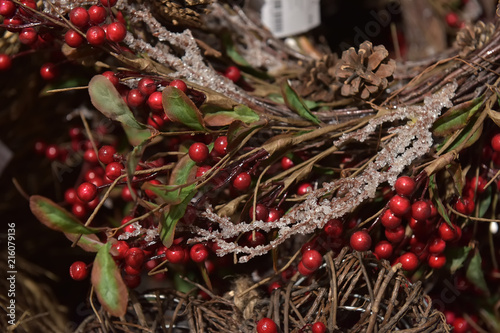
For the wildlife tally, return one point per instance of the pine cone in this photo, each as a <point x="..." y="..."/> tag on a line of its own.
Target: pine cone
<point x="366" y="72"/>
<point x="474" y="37"/>
<point x="318" y="83"/>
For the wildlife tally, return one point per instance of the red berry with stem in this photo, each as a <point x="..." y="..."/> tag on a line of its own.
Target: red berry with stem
<point x="232" y="73"/>
<point x="73" y="38"/>
<point x="146" y="86"/>
<point x="286" y="163"/>
<point x="198" y="152"/>
<point x="97" y="14"/>
<point x="409" y="261"/>
<point x="274" y="215"/>
<point x="86" y="192"/>
<point x="448" y="233"/>
<point x="122" y="248"/>
<point x="420" y="210"/>
<point x="389" y="220"/>
<point x="399" y="205"/>
<point x="179" y="84"/>
<point x="7" y="8"/>
<point x="114" y="170"/>
<point x="106" y="154"/>
<point x="318" y="327"/>
<point x="383" y="250"/>
<point x="116" y="32"/>
<point x="261" y="212"/>
<point x="135" y="257"/>
<point x="436" y="261"/>
<point x="155" y="121"/>
<point x="135" y="98"/>
<point x="334" y="228"/>
<point x="303" y="270"/>
<point x="395" y="235"/>
<point x="312" y="259"/>
<point x="198" y="253"/>
<point x="266" y="325"/>
<point x="155" y="101"/>
<point x="465" y="205"/>
<point x="96" y="36"/>
<point x="495" y="142"/>
<point x="5" y="62"/>
<point x="404" y="186"/>
<point x="361" y="241"/>
<point x="49" y="71"/>
<point x="28" y="36"/>
<point x="220" y="145"/>
<point x="175" y="254"/>
<point x="79" y="17"/>
<point x="78" y="271"/>
<point x="253" y="239"/>
<point x="111" y="76"/>
<point x="436" y="245"/>
<point x="242" y="181"/>
<point x="108" y="3"/>
<point x="304" y="189"/>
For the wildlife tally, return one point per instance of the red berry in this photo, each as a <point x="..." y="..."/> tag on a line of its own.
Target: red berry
<point x="198" y="152"/>
<point x="111" y="77"/>
<point x="87" y="192"/>
<point x="383" y="250"/>
<point x="286" y="163"/>
<point x="179" y="84"/>
<point x="13" y="23"/>
<point x="7" y="8"/>
<point x="465" y="205"/>
<point x="436" y="245"/>
<point x="436" y="261"/>
<point x="78" y="270"/>
<point x="78" y="209"/>
<point x="273" y="286"/>
<point x="232" y="73"/>
<point x="304" y="189"/>
<point x="106" y="154"/>
<point x="198" y="253"/>
<point x="90" y="156"/>
<point x="420" y="210"/>
<point x="108" y="3"/>
<point x="452" y="20"/>
<point x="399" y="205"/>
<point x="312" y="259"/>
<point x="175" y="254"/>
<point x="96" y="36"/>
<point x="242" y="181"/>
<point x="409" y="261"/>
<point x="73" y="38"/>
<point x="395" y="235"/>
<point x="155" y="101"/>
<point x="318" y="327"/>
<point x="49" y="71"/>
<point x="132" y="281"/>
<point x="261" y="212"/>
<point x="79" y="17"/>
<point x="334" y="228"/>
<point x="28" y="36"/>
<point x="146" y="86"/>
<point x="460" y="325"/>
<point x="116" y="32"/>
<point x="135" y="257"/>
<point x="220" y="145"/>
<point x="303" y="270"/>
<point x="478" y="183"/>
<point x="447" y="233"/>
<point x="135" y="98"/>
<point x="202" y="170"/>
<point x="156" y="121"/>
<point x="114" y="170"/>
<point x="126" y="195"/>
<point x="274" y="215"/>
<point x="70" y="196"/>
<point x="404" y="186"/>
<point x="361" y="241"/>
<point x="131" y="270"/>
<point x="52" y="152"/>
<point x="253" y="239"/>
<point x="5" y="62"/>
<point x="495" y="142"/>
<point x="389" y="220"/>
<point x="122" y="248"/>
<point x="97" y="14"/>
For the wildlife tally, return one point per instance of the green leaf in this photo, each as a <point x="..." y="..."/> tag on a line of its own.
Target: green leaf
<point x="57" y="218"/>
<point x="136" y="136"/>
<point x="436" y="200"/>
<point x="455" y="169"/>
<point x="456" y="117"/>
<point x="485" y="203"/>
<point x="133" y="160"/>
<point x="280" y="100"/>
<point x="89" y="243"/>
<point x="459" y="139"/>
<point x="475" y="272"/>
<point x="108" y="101"/>
<point x="172" y="216"/>
<point x="184" y="171"/>
<point x="224" y="118"/>
<point x="171" y="194"/>
<point x="231" y="52"/>
<point x="295" y="103"/>
<point x="108" y="283"/>
<point x="239" y="132"/>
<point x="456" y="256"/>
<point x="181" y="109"/>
